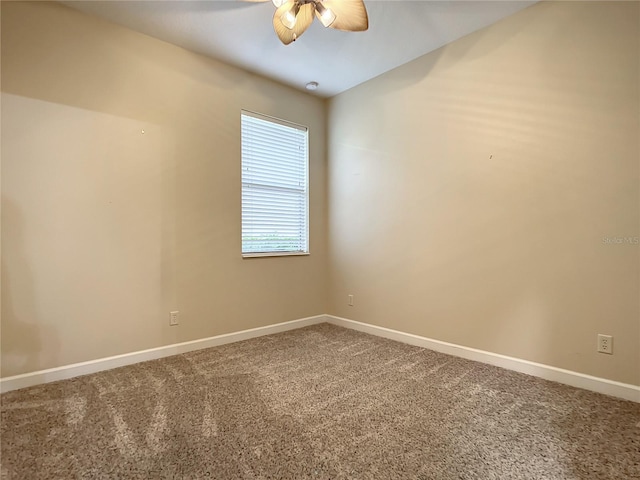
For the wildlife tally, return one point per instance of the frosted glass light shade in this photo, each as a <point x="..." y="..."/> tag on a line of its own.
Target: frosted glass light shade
<point x="325" y="15"/>
<point x="290" y="17"/>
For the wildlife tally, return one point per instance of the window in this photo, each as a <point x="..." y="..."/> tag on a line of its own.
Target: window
<point x="274" y="187"/>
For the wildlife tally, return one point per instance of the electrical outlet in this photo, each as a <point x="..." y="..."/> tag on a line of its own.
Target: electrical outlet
<point x="605" y="344"/>
<point x="173" y="320"/>
<point x="351" y="300"/>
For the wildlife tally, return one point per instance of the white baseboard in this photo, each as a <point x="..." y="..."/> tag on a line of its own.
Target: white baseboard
<point x="567" y="377"/>
<point x="70" y="371"/>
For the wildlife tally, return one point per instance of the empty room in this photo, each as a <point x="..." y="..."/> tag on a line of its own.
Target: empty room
<point x="324" y="239"/>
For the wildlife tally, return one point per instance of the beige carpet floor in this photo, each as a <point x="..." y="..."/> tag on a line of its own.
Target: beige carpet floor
<point x="320" y="402"/>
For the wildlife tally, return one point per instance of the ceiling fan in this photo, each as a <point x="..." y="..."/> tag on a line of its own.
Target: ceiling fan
<point x="293" y="17"/>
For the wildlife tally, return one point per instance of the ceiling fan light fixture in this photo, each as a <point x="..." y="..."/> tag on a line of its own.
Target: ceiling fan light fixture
<point x="290" y="17"/>
<point x="293" y="17"/>
<point x="325" y="15"/>
<point x="278" y="3"/>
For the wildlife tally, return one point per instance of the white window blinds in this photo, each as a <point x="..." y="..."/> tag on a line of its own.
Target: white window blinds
<point x="274" y="186"/>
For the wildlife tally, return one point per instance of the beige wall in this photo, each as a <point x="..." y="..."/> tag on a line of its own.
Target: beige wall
<point x="106" y="229"/>
<point x="470" y="191"/>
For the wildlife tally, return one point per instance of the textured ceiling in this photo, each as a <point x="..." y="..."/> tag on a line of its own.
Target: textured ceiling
<point x="241" y="33"/>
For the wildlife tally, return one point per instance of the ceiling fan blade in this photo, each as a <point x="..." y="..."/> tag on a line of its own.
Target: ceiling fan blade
<point x="303" y="20"/>
<point x="351" y="15"/>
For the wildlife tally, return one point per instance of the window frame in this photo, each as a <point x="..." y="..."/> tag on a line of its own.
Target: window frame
<point x="289" y="124"/>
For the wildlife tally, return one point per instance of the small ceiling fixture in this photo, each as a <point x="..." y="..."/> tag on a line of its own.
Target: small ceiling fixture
<point x="311" y="86"/>
<point x="293" y="17"/>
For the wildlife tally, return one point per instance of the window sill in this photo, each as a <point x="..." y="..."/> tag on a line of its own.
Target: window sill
<point x="275" y="254"/>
